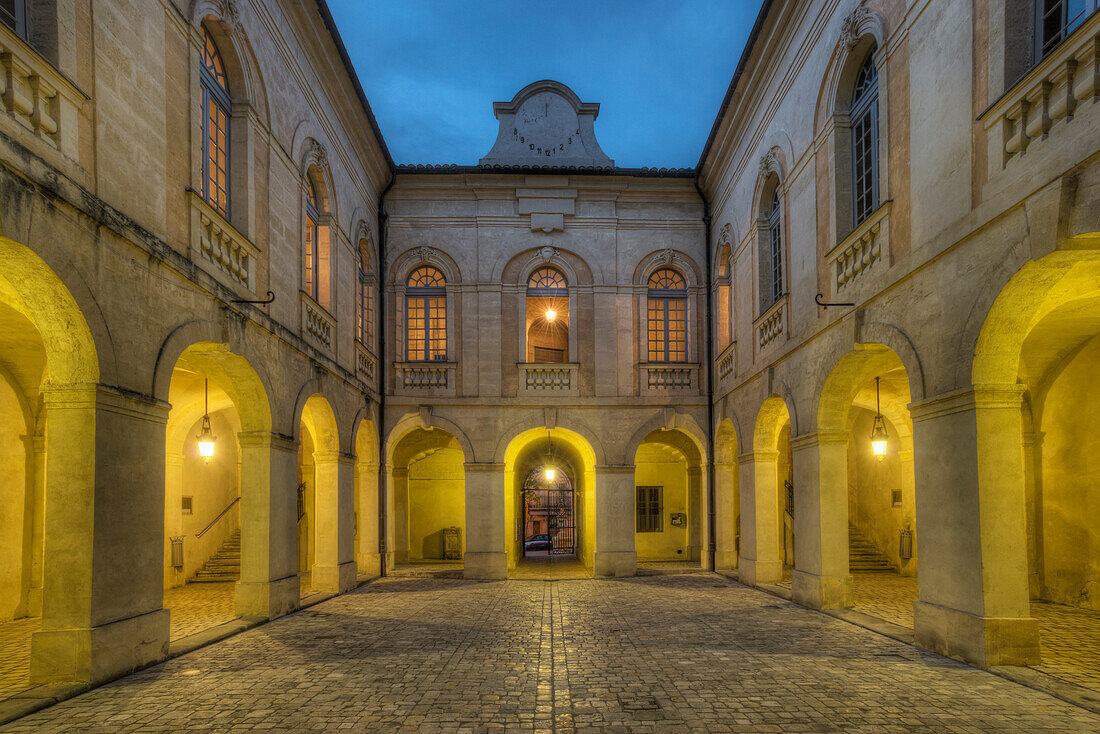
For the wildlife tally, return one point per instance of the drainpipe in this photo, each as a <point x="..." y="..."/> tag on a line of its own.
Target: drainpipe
<point x="381" y="382"/>
<point x="711" y="544"/>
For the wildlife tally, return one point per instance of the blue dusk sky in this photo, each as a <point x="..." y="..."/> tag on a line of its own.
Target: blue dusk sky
<point x="433" y="68"/>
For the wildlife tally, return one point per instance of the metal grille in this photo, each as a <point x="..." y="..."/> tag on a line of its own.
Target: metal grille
<point x="1056" y="19"/>
<point x="559" y="505"/>
<point x="864" y="117"/>
<point x="790" y="497"/>
<point x="774" y="266"/>
<point x="648" y="508"/>
<point x="667" y="317"/>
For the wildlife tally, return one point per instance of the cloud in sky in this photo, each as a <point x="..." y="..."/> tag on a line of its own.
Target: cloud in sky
<point x="433" y="68"/>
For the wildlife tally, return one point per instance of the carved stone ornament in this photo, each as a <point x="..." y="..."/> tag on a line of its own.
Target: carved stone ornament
<point x="546" y="254"/>
<point x="724" y="234"/>
<point x="424" y="253"/>
<point x="666" y="256"/>
<point x="317" y="154"/>
<point x="230" y="14"/>
<point x="768" y="162"/>
<point x="850" y="31"/>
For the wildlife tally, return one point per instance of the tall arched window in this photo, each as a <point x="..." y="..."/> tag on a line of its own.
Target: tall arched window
<point x="547" y="316"/>
<point x="771" y="251"/>
<point x="864" y="121"/>
<point x="216" y="106"/>
<point x="364" y="300"/>
<point x="317" y="261"/>
<point x="667" y="316"/>
<point x="426" y="316"/>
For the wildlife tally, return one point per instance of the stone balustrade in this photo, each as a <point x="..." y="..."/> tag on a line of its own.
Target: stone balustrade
<point x="727" y="360"/>
<point x="37" y="95"/>
<point x="664" y="377"/>
<point x="365" y="363"/>
<point x="220" y="249"/>
<point x="548" y="379"/>
<point x="861" y="249"/>
<point x="425" y="376"/>
<point x="772" y="323"/>
<point x="318" y="325"/>
<point x="1053" y="90"/>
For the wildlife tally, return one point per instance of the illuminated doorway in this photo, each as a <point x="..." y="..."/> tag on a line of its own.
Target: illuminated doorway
<point x="548" y="526"/>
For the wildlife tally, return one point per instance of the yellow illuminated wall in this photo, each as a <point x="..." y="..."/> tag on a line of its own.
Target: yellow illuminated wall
<point x="658" y="465"/>
<point x="436" y="500"/>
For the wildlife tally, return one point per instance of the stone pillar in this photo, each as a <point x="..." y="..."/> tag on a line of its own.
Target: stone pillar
<point x="973" y="605"/>
<point x="334" y="544"/>
<point x="104" y="535"/>
<point x="486" y="535"/>
<point x="268" y="586"/>
<point x="34" y="593"/>
<point x="173" y="516"/>
<point x="615" y="522"/>
<point x="398" y="544"/>
<point x="759" y="561"/>
<point x="697" y="517"/>
<point x="822" y="577"/>
<point x="725" y="510"/>
<point x="368" y="560"/>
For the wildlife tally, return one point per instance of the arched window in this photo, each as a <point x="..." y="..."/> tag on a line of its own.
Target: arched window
<point x="364" y="297"/>
<point x="426" y="316"/>
<point x="864" y="121"/>
<point x="771" y="251"/>
<point x="667" y="316"/>
<point x="547" y="316"/>
<point x="216" y="106"/>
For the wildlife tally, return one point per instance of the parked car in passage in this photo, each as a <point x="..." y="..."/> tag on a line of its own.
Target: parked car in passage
<point x="538" y="543"/>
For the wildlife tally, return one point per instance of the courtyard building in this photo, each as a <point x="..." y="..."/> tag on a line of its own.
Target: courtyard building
<point x="247" y="361"/>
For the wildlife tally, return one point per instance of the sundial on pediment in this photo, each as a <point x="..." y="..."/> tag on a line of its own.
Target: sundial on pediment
<point x="546" y="124"/>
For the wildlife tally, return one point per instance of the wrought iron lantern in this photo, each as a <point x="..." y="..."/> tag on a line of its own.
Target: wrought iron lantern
<point x="206" y="438"/>
<point x="878" y="429"/>
<point x="551" y="314"/>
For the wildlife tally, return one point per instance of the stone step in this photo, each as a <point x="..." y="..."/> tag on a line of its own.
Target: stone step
<point x="224" y="565"/>
<point x="863" y="556"/>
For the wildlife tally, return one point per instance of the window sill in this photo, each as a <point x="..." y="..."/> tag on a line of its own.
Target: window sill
<point x="318" y="325"/>
<point x="771" y="325"/>
<point x="218" y="248"/>
<point x="863" y="247"/>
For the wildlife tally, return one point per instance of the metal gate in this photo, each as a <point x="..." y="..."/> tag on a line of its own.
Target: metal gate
<point x="559" y="505"/>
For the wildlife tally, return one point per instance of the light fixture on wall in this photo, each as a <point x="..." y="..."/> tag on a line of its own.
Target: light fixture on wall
<point x="550" y="471"/>
<point x="206" y="437"/>
<point x="551" y="314"/>
<point x="878" y="430"/>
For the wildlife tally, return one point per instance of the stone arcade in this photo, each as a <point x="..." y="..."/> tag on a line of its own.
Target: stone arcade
<point x="204" y="233"/>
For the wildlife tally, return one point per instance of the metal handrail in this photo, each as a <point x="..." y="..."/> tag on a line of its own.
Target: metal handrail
<point x="219" y="517"/>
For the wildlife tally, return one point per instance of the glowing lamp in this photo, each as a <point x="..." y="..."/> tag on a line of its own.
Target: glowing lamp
<point x="550" y="473"/>
<point x="551" y="314"/>
<point x="205" y="439"/>
<point x="878" y="428"/>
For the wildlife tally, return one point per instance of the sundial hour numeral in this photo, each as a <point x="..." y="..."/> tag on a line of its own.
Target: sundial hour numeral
<point x="515" y="131"/>
<point x="561" y="146"/>
<point x="570" y="139"/>
<point x="530" y="146"/>
<point x="521" y="140"/>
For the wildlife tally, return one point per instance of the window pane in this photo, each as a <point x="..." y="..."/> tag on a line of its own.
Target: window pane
<point x="676" y="349"/>
<point x="416" y="329"/>
<point x="311" y="257"/>
<point x="10" y="12"/>
<point x="656" y="329"/>
<point x="438" y="325"/>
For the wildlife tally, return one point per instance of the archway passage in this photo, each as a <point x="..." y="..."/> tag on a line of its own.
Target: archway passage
<point x="428" y="486"/>
<point x="669" y="503"/>
<point x="867" y="499"/>
<point x="548" y="513"/>
<point x="1042" y="341"/>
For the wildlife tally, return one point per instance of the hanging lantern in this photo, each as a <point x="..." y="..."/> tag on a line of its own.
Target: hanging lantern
<point x="878" y="429"/>
<point x="550" y="471"/>
<point x="205" y="438"/>
<point x="551" y="314"/>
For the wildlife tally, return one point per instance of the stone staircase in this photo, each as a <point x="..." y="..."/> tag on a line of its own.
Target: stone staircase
<point x="225" y="565"/>
<point x="863" y="557"/>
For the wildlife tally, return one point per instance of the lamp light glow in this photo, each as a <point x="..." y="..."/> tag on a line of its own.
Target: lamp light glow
<point x="206" y="439"/>
<point x="878" y="429"/>
<point x="551" y="314"/>
<point x="550" y="473"/>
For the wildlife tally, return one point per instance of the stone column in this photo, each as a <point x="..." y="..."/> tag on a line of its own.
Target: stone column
<point x="486" y="556"/>
<point x="725" y="510"/>
<point x="973" y="605"/>
<point x="334" y="544"/>
<point x="398" y="499"/>
<point x="822" y="577"/>
<point x="268" y="586"/>
<point x="697" y="516"/>
<point x="615" y="522"/>
<point x="759" y="561"/>
<point x="173" y="516"/>
<point x="368" y="559"/>
<point x="104" y="535"/>
<point x="34" y="593"/>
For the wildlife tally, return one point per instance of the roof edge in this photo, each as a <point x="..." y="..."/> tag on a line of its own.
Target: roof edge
<point x="445" y="168"/>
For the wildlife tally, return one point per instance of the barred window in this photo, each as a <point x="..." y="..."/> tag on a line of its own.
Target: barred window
<point x="426" y="316"/>
<point x="13" y="14"/>
<point x="1056" y="19"/>
<point x="864" y="120"/>
<point x="216" y="106"/>
<point x="648" y="509"/>
<point x="313" y="216"/>
<point x="771" y="253"/>
<point x="667" y="316"/>
<point x="364" y="304"/>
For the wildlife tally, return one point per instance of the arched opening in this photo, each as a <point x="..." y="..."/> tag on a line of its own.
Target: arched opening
<point x="204" y="482"/>
<point x="547" y="316"/>
<point x="727" y="500"/>
<point x="1040" y="345"/>
<point x="549" y="480"/>
<point x="428" y="487"/>
<point x="317" y="246"/>
<point x="669" y="501"/>
<point x="867" y="485"/>
<point x="49" y="369"/>
<point x="771" y="245"/>
<point x="320" y="515"/>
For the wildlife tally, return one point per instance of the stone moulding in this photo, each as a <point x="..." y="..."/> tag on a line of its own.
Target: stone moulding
<point x="663" y="377"/>
<point x="318" y="324"/>
<point x="37" y="95"/>
<point x="220" y="249"/>
<point x="1054" y="89"/>
<point x="548" y="379"/>
<point x="772" y="323"/>
<point x="861" y="249"/>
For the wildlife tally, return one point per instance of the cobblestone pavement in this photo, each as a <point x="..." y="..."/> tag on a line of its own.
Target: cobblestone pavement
<point x="15" y="654"/>
<point x="888" y="596"/>
<point x="657" y="654"/>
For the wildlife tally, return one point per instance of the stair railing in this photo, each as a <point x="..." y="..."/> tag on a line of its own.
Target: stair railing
<point x="219" y="517"/>
<point x="790" y="498"/>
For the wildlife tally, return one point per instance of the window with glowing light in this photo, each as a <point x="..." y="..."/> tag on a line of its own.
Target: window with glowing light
<point x="864" y="122"/>
<point x="216" y="106"/>
<point x="667" y="317"/>
<point x="364" y="298"/>
<point x="426" y="316"/>
<point x="317" y="263"/>
<point x="547" y="316"/>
